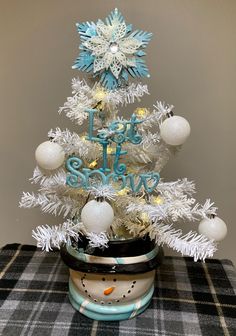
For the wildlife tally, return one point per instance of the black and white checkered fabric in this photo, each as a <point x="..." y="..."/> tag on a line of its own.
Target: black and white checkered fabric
<point x="190" y="299"/>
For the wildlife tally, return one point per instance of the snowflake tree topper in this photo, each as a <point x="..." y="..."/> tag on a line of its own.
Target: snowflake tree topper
<point x="112" y="51"/>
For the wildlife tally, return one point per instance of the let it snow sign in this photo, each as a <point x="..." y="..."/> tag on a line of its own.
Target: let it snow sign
<point x="118" y="132"/>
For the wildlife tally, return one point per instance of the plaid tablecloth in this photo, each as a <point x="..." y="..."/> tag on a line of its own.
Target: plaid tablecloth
<point x="190" y="299"/>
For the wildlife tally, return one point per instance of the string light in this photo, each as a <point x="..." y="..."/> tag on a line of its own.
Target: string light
<point x="144" y="217"/>
<point x="123" y="191"/>
<point x="100" y="94"/>
<point x="158" y="200"/>
<point x="93" y="164"/>
<point x="141" y="112"/>
<point x="110" y="150"/>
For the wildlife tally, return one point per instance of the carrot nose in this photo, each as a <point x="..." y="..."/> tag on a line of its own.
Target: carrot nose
<point x="109" y="290"/>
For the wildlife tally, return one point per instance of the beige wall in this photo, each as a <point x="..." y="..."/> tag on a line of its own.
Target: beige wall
<point x="192" y="60"/>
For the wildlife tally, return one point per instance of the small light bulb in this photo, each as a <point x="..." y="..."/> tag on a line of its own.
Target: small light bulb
<point x="93" y="164"/>
<point x="144" y="217"/>
<point x="141" y="112"/>
<point x="123" y="191"/>
<point x="158" y="200"/>
<point x="99" y="95"/>
<point x="110" y="150"/>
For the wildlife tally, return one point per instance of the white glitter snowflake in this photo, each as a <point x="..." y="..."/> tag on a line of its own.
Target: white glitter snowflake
<point x="111" y="50"/>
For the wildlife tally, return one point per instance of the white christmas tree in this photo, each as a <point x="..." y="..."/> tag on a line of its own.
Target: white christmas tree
<point x="106" y="182"/>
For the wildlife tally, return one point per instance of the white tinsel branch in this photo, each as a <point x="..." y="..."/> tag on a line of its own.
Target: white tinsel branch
<point x="123" y="96"/>
<point x="127" y="95"/>
<point x="99" y="240"/>
<point x="73" y="143"/>
<point x="191" y="244"/>
<point x="205" y="210"/>
<point x="149" y="139"/>
<point x="150" y="150"/>
<point x="59" y="178"/>
<point x="104" y="191"/>
<point x="176" y="188"/>
<point x="79" y="86"/>
<point x="84" y="97"/>
<point x="163" y="154"/>
<point x="137" y="154"/>
<point x="52" y="237"/>
<point x="53" y="204"/>
<point x="50" y="184"/>
<point x="75" y="106"/>
<point x="161" y="109"/>
<point x="174" y="210"/>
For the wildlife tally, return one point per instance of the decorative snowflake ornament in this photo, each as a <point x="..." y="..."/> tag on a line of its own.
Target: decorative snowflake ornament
<point x="112" y="51"/>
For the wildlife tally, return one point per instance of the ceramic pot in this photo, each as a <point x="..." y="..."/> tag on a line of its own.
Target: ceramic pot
<point x="116" y="283"/>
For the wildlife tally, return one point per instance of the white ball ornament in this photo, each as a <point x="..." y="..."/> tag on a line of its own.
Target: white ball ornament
<point x="175" y="130"/>
<point x="49" y="155"/>
<point x="97" y="216"/>
<point x="213" y="228"/>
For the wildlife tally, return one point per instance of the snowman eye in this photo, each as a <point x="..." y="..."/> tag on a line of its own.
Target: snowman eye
<point x="134" y="282"/>
<point x="114" y="280"/>
<point x="103" y="279"/>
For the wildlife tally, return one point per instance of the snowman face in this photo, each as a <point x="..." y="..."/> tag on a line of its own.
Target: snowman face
<point x="112" y="289"/>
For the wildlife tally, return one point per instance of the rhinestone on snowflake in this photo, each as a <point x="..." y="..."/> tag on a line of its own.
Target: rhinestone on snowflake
<point x="114" y="47"/>
<point x="112" y="51"/>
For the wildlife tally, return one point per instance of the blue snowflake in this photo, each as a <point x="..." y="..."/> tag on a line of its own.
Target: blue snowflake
<point x="112" y="51"/>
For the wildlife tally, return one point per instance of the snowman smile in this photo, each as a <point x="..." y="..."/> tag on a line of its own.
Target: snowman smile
<point x="107" y="291"/>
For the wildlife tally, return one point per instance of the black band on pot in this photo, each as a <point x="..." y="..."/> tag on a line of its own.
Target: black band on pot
<point x="121" y="248"/>
<point x="82" y="266"/>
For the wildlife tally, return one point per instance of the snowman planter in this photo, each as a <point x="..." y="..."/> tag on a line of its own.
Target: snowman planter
<point x="116" y="283"/>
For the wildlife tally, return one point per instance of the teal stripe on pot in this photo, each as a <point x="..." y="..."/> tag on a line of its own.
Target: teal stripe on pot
<point x="120" y="261"/>
<point x="99" y="316"/>
<point x="77" y="254"/>
<point x="150" y="255"/>
<point x="80" y="255"/>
